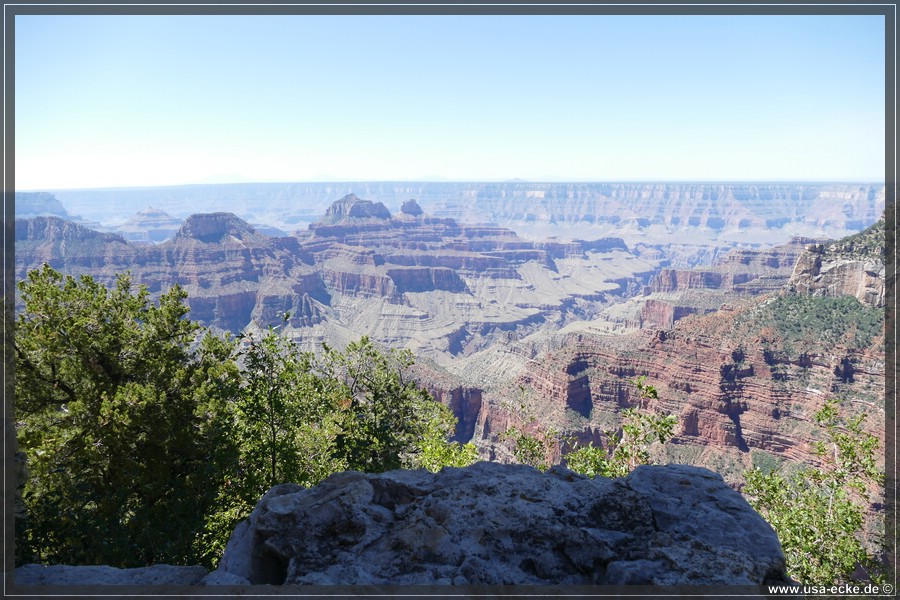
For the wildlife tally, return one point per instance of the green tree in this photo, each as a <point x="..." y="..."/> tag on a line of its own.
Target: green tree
<point x="630" y="447"/>
<point x="284" y="404"/>
<point x="148" y="440"/>
<point x="388" y="422"/>
<point x="818" y="513"/>
<point x="120" y="413"/>
<point x="284" y="421"/>
<point x="301" y="417"/>
<point x="434" y="450"/>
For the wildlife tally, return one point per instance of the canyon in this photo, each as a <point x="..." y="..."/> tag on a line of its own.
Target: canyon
<point x="539" y="334"/>
<point x="440" y="288"/>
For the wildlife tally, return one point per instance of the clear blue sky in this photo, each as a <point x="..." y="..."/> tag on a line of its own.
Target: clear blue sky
<point x="104" y="101"/>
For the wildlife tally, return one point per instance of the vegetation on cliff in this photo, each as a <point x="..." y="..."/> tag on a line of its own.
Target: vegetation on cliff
<point x="819" y="513"/>
<point x="868" y="244"/>
<point x="630" y="447"/>
<point x="625" y="448"/>
<point x="795" y="324"/>
<point x="147" y="437"/>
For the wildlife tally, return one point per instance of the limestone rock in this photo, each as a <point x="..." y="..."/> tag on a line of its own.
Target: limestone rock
<point x="494" y="524"/>
<point x="217" y="228"/>
<point x="852" y="266"/>
<point x="104" y="575"/>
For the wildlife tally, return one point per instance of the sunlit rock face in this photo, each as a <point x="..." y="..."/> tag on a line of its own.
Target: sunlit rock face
<point x="493" y="524"/>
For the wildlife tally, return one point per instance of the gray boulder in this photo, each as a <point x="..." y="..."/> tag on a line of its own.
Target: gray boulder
<point x="491" y="524"/>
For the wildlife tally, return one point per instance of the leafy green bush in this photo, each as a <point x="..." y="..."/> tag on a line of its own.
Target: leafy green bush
<point x="818" y="513"/>
<point x="144" y="445"/>
<point x="630" y="447"/>
<point x="123" y="424"/>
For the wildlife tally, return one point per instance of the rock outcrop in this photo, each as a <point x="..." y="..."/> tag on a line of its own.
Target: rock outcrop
<point x="411" y="208"/>
<point x="218" y="228"/>
<point x="351" y="207"/>
<point x="492" y="524"/>
<point x="853" y="266"/>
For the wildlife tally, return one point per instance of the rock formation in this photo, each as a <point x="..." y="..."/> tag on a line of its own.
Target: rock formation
<point x="411" y="208"/>
<point x="494" y="311"/>
<point x="33" y="204"/>
<point x="676" y="293"/>
<point x="149" y="225"/>
<point x="491" y="524"/>
<point x="687" y="223"/>
<point x="853" y="266"/>
<point x="483" y="525"/>
<point x="351" y="207"/>
<point x="743" y="389"/>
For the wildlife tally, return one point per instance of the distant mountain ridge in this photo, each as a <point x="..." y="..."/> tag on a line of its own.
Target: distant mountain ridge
<point x="833" y="206"/>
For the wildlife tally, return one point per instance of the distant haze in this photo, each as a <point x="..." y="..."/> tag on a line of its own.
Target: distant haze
<point x="119" y="101"/>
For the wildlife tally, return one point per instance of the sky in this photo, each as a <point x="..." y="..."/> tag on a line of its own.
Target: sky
<point x="120" y="101"/>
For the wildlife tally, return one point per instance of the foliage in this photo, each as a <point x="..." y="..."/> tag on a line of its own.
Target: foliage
<point x="284" y="415"/>
<point x="630" y="447"/>
<point x="434" y="451"/>
<point x="867" y="244"/>
<point x="532" y="448"/>
<point x="147" y="440"/>
<point x="301" y="417"/>
<point x="818" y="512"/>
<point x="123" y="424"/>
<point x="626" y="448"/>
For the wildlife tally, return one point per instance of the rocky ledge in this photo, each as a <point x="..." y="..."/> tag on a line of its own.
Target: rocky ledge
<point x="484" y="525"/>
<point x="494" y="524"/>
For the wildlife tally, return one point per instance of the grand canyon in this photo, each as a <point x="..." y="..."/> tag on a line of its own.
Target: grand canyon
<point x="526" y="305"/>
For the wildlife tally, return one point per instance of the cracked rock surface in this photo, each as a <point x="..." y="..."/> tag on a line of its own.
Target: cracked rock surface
<point x="495" y="524"/>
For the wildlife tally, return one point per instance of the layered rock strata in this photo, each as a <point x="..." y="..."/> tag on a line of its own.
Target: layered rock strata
<point x="736" y="388"/>
<point x="676" y="293"/>
<point x="431" y="284"/>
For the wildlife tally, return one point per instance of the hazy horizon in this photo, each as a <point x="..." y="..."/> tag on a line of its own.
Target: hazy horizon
<point x="478" y="181"/>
